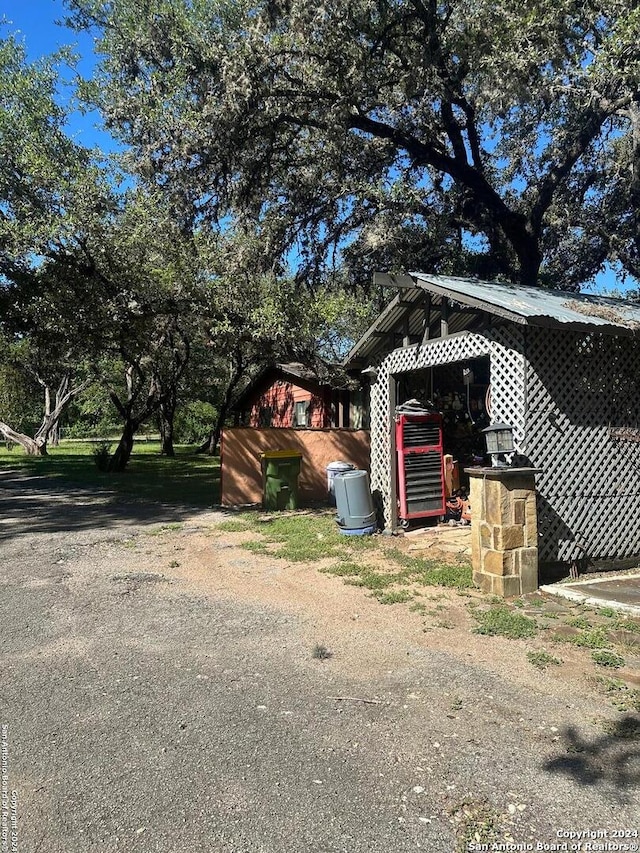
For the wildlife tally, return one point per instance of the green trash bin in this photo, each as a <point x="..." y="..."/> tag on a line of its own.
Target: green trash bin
<point x="280" y="470"/>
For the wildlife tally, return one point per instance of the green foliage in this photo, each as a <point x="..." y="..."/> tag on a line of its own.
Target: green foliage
<point x="623" y="697"/>
<point x="194" y="421"/>
<point x="501" y="621"/>
<point x="483" y="137"/>
<point x="233" y="525"/>
<point x="542" y="659"/>
<point x="396" y="596"/>
<point x="101" y="455"/>
<point x="186" y="480"/>
<point x="608" y="659"/>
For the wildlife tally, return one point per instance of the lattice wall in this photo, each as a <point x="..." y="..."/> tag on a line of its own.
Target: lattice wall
<point x="564" y="393"/>
<point x="504" y="346"/>
<point x="580" y="388"/>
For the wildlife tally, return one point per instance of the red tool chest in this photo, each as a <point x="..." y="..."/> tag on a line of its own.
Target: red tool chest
<point x="421" y="486"/>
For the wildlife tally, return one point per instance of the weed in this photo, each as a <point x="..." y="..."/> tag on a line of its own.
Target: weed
<point x="255" y="547"/>
<point x="344" y="569"/>
<point x="174" y="564"/>
<point x="399" y="596"/>
<point x="443" y="624"/>
<point x="320" y="652"/>
<point x="418" y="607"/>
<point x="579" y="622"/>
<point x="233" y="525"/>
<point x="541" y="660"/>
<point x="594" y="639"/>
<point x="518" y="602"/>
<point x="456" y="705"/>
<point x="628" y="728"/>
<point x="376" y="580"/>
<point x="610" y="659"/>
<point x="501" y="621"/>
<point x="102" y="455"/>
<point x="476" y="823"/>
<point x="608" y="612"/>
<point x="537" y="601"/>
<point x="627" y="625"/>
<point x="622" y="697"/>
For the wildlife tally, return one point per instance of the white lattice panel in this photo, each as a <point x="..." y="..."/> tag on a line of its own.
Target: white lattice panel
<point x="580" y="387"/>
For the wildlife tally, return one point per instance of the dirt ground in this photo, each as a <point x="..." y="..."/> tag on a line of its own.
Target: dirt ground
<point x="352" y="622"/>
<point x="162" y="692"/>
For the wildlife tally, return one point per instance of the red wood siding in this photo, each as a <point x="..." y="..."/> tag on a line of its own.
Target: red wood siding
<point x="280" y="397"/>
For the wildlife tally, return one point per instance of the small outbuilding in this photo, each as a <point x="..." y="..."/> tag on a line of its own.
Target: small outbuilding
<point x="300" y="396"/>
<point x="563" y="369"/>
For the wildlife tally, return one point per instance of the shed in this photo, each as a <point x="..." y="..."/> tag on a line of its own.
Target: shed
<point x="562" y="368"/>
<point x="296" y="395"/>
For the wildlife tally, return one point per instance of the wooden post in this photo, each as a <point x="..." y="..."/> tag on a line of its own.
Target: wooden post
<point x="427" y="320"/>
<point x="444" y="318"/>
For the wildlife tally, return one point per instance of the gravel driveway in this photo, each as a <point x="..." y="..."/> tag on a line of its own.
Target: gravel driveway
<point x="160" y="694"/>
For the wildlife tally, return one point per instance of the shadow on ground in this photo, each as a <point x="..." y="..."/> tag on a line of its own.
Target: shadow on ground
<point x="31" y="504"/>
<point x="611" y="760"/>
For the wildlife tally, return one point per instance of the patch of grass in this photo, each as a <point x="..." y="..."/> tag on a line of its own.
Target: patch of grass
<point x="373" y="580"/>
<point x="255" y="547"/>
<point x="579" y="622"/>
<point x="320" y="652"/>
<point x="594" y="639"/>
<point x="306" y="537"/>
<point x="233" y="525"/>
<point x="542" y="659"/>
<point x="344" y="569"/>
<point x="187" y="479"/>
<point x="627" y="625"/>
<point x="418" y="607"/>
<point x="608" y="659"/>
<point x="396" y="596"/>
<point x="433" y="573"/>
<point x="607" y="612"/>
<point x="622" y="697"/>
<point x="500" y="621"/>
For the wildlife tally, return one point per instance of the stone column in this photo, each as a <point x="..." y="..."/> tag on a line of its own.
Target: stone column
<point x="504" y="530"/>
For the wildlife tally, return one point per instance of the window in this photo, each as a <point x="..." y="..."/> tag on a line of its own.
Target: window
<point x="300" y="414"/>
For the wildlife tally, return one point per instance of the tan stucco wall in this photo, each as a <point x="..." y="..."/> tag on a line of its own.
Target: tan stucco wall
<point x="242" y="446"/>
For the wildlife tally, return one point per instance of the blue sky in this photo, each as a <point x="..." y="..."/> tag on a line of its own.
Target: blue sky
<point x="33" y="22"/>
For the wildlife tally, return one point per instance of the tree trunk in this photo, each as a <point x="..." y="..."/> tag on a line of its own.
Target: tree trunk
<point x="31" y="446"/>
<point x="210" y="446"/>
<point x="167" y="414"/>
<point x="120" y="458"/>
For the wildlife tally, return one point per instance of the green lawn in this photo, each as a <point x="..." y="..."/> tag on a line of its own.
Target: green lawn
<point x="188" y="479"/>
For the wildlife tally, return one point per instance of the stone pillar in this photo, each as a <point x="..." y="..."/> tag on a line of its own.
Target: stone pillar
<point x="504" y="530"/>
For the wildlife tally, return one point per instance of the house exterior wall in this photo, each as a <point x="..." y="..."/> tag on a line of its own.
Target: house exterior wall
<point x="241" y="468"/>
<point x="574" y="401"/>
<point x="281" y="396"/>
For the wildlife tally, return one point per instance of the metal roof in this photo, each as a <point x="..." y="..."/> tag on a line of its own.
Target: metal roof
<point x="470" y="298"/>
